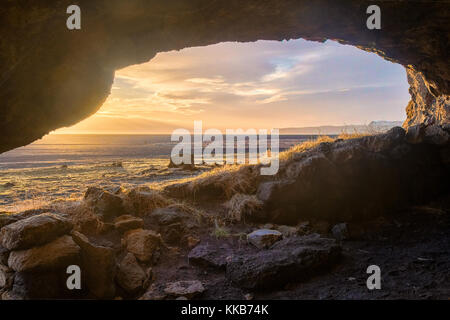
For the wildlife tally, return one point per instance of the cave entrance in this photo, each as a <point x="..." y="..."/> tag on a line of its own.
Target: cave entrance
<point x="265" y="84"/>
<point x="298" y="86"/>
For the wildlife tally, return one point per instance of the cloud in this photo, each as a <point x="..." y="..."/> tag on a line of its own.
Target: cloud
<point x="260" y="84"/>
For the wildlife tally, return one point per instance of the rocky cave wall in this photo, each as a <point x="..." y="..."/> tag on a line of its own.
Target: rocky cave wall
<point x="53" y="77"/>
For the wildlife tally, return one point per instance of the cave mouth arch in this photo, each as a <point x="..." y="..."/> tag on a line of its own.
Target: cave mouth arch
<point x="274" y="84"/>
<point x="55" y="78"/>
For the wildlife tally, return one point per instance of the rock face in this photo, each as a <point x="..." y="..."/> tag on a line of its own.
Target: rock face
<point x="78" y="65"/>
<point x="426" y="106"/>
<point x="357" y="179"/>
<point x="292" y="259"/>
<point x="33" y="231"/>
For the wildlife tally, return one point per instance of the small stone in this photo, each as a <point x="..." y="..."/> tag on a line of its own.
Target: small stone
<point x="62" y="252"/>
<point x="142" y="243"/>
<point x="128" y="222"/>
<point x="340" y="231"/>
<point x="34" y="231"/>
<point x="130" y="275"/>
<point x="192" y="241"/>
<point x="264" y="238"/>
<point x="248" y="296"/>
<point x="187" y="289"/>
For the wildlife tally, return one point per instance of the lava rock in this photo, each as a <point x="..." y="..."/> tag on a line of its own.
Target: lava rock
<point x="62" y="252"/>
<point x="104" y="203"/>
<point x="130" y="276"/>
<point x="142" y="243"/>
<point x="34" y="231"/>
<point x="98" y="267"/>
<point x="206" y="255"/>
<point x="292" y="259"/>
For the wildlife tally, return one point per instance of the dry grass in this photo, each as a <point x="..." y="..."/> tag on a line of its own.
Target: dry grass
<point x="304" y="146"/>
<point x="187" y="208"/>
<point x="220" y="231"/>
<point x="142" y="201"/>
<point x="241" y="206"/>
<point x="227" y="180"/>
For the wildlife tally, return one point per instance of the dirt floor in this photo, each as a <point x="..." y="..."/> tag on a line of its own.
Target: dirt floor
<point x="412" y="248"/>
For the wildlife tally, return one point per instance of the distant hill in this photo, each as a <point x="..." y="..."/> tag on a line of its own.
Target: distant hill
<point x="374" y="126"/>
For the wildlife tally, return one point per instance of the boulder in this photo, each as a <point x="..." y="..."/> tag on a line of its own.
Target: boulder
<point x="130" y="276"/>
<point x="59" y="253"/>
<point x="98" y="267"/>
<point x="206" y="255"/>
<point x="142" y="243"/>
<point x="128" y="222"/>
<point x="34" y="231"/>
<point x="105" y="204"/>
<point x="188" y="289"/>
<point x="289" y="260"/>
<point x="264" y="238"/>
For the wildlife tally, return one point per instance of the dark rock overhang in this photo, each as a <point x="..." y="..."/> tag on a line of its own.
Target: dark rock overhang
<point x="53" y="77"/>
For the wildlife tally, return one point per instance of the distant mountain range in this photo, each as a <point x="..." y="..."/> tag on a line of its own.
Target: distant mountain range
<point x="374" y="126"/>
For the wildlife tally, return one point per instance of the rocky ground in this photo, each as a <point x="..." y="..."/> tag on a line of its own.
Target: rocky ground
<point x="238" y="236"/>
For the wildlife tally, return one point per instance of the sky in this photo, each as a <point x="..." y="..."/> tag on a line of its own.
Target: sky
<point x="263" y="84"/>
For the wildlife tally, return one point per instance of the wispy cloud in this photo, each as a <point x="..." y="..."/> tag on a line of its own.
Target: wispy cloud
<point x="261" y="84"/>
